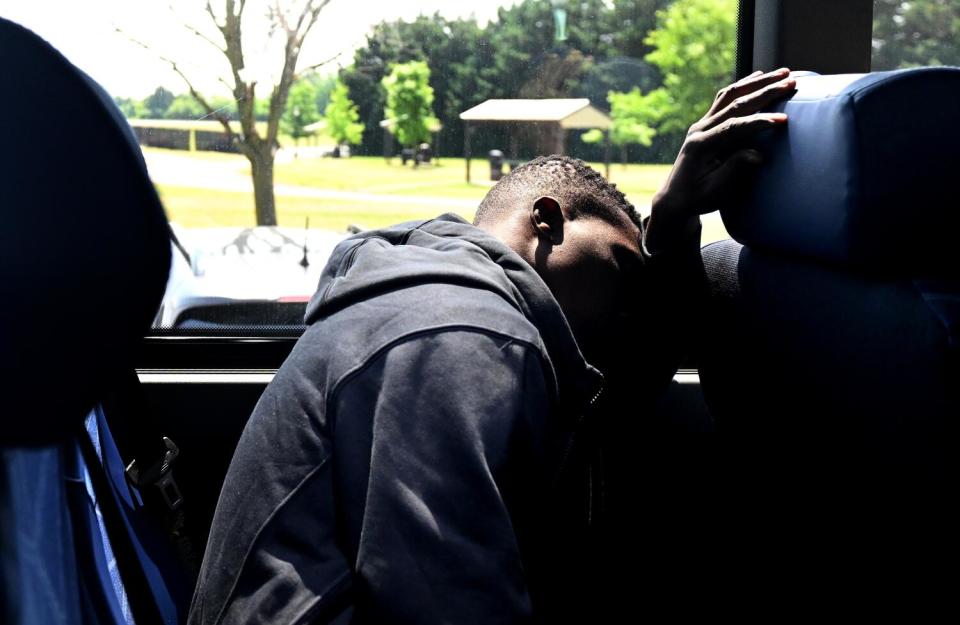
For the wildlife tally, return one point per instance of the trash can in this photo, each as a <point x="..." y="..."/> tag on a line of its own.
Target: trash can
<point x="425" y="153"/>
<point x="496" y="164"/>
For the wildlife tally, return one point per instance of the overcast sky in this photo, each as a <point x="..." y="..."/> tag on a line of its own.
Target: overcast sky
<point x="85" y="32"/>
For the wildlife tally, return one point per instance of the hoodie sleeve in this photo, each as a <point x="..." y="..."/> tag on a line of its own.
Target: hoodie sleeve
<point x="450" y="420"/>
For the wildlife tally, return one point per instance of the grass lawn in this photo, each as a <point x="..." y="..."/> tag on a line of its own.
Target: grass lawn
<point x="206" y="208"/>
<point x="448" y="179"/>
<point x="198" y="208"/>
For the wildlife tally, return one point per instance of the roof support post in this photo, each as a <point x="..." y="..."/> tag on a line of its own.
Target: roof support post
<point x="606" y="153"/>
<point x="467" y="133"/>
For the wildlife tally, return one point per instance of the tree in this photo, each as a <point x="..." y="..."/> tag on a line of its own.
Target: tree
<point x="693" y="46"/>
<point x="516" y="53"/>
<point x="158" y="102"/>
<point x="291" y="24"/>
<point x="555" y="75"/>
<point x="322" y="89"/>
<point x="301" y="109"/>
<point x="628" y="23"/>
<point x="920" y="32"/>
<point x="131" y="108"/>
<point x="184" y="107"/>
<point x="629" y="111"/>
<point x="409" y="98"/>
<point x="342" y="117"/>
<point x="454" y="50"/>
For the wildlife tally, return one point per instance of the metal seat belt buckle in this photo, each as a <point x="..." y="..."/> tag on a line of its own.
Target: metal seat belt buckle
<point x="160" y="475"/>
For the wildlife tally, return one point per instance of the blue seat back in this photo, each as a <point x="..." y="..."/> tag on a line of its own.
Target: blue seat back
<point x="829" y="353"/>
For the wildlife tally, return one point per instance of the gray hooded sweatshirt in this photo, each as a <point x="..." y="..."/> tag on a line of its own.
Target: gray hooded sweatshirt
<point x="423" y="454"/>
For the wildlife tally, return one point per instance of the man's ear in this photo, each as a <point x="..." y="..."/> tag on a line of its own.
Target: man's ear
<point x="548" y="220"/>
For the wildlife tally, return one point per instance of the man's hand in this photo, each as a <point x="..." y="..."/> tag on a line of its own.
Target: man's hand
<point x="713" y="159"/>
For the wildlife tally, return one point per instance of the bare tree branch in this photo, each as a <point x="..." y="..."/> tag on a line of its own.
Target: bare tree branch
<point x="244" y="93"/>
<point x="312" y="68"/>
<point x="212" y="15"/>
<point x="278" y="15"/>
<point x="196" y="31"/>
<point x="312" y="9"/>
<point x="259" y="150"/>
<point x="295" y="37"/>
<point x="216" y="114"/>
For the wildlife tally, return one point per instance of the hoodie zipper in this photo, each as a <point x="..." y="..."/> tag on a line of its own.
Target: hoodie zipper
<point x="590" y="494"/>
<point x="569" y="449"/>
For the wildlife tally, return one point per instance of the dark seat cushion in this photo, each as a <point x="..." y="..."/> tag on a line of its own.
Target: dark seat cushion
<point x="804" y="359"/>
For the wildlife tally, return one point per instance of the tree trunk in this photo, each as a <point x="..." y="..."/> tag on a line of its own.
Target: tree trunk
<point x="261" y="166"/>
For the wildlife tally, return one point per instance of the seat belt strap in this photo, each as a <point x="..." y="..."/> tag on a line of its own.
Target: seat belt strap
<point x="150" y="458"/>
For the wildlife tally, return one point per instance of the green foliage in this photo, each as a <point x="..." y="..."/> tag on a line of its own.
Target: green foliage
<point x="184" y="107"/>
<point x="301" y="109"/>
<point x="224" y="105"/>
<point x="158" y="102"/>
<point x="514" y="55"/>
<point x="409" y="101"/>
<point x="454" y="50"/>
<point x="693" y="46"/>
<point x="677" y="52"/>
<point x="919" y="32"/>
<point x="628" y="23"/>
<point x="131" y="108"/>
<point x="323" y="87"/>
<point x="342" y="117"/>
<point x="631" y="118"/>
<point x="261" y="109"/>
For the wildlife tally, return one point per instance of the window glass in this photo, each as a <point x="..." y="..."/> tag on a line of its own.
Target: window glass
<point x="915" y="33"/>
<point x="265" y="162"/>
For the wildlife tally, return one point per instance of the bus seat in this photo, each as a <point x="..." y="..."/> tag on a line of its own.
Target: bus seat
<point x="84" y="258"/>
<point x="830" y="351"/>
<point x="84" y="244"/>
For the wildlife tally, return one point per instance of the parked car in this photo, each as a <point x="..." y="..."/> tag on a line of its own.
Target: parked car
<point x="243" y="277"/>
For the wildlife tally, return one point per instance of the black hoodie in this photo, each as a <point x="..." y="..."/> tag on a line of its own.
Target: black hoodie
<point x="418" y="457"/>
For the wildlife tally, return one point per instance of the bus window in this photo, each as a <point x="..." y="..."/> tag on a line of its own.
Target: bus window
<point x="915" y="33"/>
<point x="343" y="116"/>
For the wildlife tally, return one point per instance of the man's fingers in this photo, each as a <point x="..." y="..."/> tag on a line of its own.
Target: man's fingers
<point x="753" y="82"/>
<point x="734" y="131"/>
<point x="754" y="102"/>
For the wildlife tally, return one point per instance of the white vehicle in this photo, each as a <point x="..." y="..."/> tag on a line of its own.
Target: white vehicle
<point x="235" y="277"/>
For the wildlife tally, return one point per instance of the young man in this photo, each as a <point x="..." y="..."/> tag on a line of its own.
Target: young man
<point x="426" y="453"/>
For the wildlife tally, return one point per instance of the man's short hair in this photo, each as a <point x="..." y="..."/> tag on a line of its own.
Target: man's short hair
<point x="571" y="181"/>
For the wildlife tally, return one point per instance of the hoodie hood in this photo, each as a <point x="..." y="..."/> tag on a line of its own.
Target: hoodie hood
<point x="449" y="249"/>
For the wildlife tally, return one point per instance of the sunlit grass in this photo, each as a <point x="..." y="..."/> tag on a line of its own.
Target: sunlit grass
<point x="202" y="208"/>
<point x="206" y="208"/>
<point x="448" y="179"/>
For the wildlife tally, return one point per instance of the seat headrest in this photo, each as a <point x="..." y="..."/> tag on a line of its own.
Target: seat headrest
<point x="84" y="243"/>
<point x="863" y="175"/>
